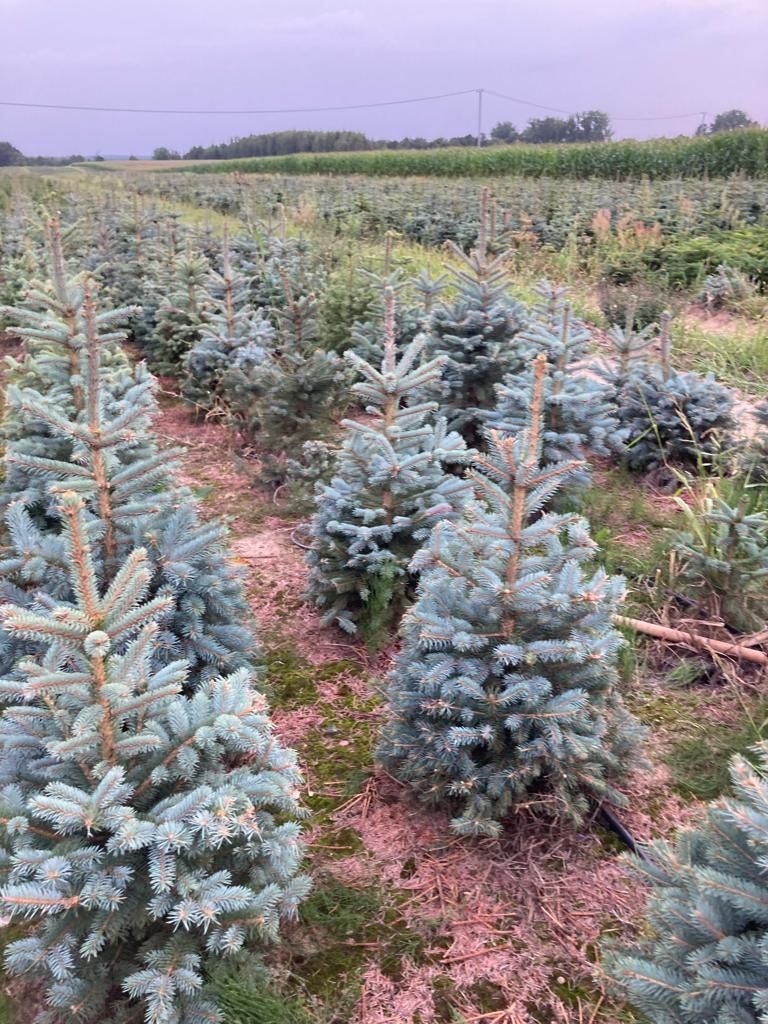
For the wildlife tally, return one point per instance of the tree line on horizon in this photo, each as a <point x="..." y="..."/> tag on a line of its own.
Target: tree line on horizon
<point x="588" y="126"/>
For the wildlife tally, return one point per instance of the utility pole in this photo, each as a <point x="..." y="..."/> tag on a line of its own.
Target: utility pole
<point x="480" y="116"/>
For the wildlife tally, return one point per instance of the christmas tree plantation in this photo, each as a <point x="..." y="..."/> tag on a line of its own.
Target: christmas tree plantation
<point x="389" y="487"/>
<point x="145" y="833"/>
<point x="506" y="683"/>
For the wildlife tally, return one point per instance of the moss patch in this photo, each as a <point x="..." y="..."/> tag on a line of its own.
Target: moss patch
<point x="699" y="762"/>
<point x="701" y="749"/>
<point x="345" y="928"/>
<point x="289" y="680"/>
<point x="248" y="1003"/>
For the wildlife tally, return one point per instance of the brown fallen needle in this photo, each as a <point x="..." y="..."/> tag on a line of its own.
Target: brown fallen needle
<point x="681" y="636"/>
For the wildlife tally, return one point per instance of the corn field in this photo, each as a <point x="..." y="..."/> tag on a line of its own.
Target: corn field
<point x="744" y="152"/>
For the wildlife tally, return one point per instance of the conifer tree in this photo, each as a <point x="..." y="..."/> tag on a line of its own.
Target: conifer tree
<point x="129" y="275"/>
<point x="52" y="325"/>
<point x="579" y="412"/>
<point x="389" y="487"/>
<point x="631" y="350"/>
<point x="476" y="335"/>
<point x="291" y="395"/>
<point x="96" y="440"/>
<point x="702" y="955"/>
<point x="180" y="315"/>
<point x="230" y="325"/>
<point x="285" y="258"/>
<point x="549" y="307"/>
<point x="150" y="269"/>
<point x="345" y="301"/>
<point x="667" y="415"/>
<point x="506" y="682"/>
<point x="17" y="268"/>
<point x="367" y="337"/>
<point x="147" y="834"/>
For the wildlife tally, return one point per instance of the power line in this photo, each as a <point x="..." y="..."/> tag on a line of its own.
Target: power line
<point x="560" y="110"/>
<point x="281" y="110"/>
<point x="344" y="106"/>
<point x="526" y="103"/>
<point x="659" y="117"/>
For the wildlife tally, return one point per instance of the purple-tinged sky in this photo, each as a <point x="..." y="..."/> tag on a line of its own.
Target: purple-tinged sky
<point x="630" y="57"/>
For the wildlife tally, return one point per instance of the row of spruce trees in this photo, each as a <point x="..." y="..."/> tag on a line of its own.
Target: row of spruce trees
<point x="150" y="816"/>
<point x="140" y="746"/>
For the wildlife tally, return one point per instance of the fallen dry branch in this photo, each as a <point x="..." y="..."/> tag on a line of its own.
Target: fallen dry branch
<point x="680" y="636"/>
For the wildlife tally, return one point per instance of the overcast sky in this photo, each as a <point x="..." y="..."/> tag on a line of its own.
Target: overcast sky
<point x="630" y="57"/>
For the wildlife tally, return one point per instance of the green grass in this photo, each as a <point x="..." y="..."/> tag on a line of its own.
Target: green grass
<point x="738" y="358"/>
<point x="700" y="751"/>
<point x="247" y="1002"/>
<point x="699" y="762"/>
<point x="344" y="928"/>
<point x="743" y="152"/>
<point x="630" y="531"/>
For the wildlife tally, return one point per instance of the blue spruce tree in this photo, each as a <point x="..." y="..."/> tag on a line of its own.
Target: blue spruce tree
<point x="231" y="325"/>
<point x="181" y="314"/>
<point x="703" y="957"/>
<point x="579" y="412"/>
<point x="367" y="336"/>
<point x="52" y="325"/>
<point x="290" y="396"/>
<point x="667" y="415"/>
<point x="506" y="683"/>
<point x="476" y="334"/>
<point x="146" y="834"/>
<point x="389" y="487"/>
